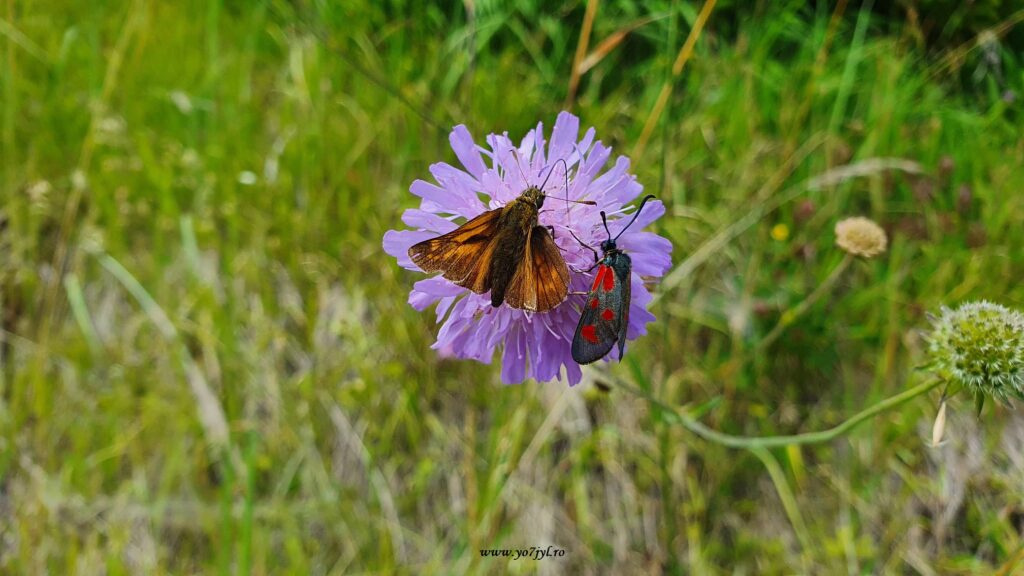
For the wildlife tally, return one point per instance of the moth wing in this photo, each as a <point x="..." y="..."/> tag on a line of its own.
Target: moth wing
<point x="541" y="280"/>
<point x="605" y="315"/>
<point x="462" y="255"/>
<point x="624" y="271"/>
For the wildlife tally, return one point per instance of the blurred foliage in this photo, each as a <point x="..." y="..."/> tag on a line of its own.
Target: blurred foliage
<point x="948" y="21"/>
<point x="209" y="365"/>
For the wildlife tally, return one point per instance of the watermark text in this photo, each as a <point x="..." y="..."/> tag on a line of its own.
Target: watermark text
<point x="531" y="553"/>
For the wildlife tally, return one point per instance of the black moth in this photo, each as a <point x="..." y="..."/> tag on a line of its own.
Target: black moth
<point x="605" y="316"/>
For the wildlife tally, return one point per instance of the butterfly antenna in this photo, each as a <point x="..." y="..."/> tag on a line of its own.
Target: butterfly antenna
<point x="635" y="215"/>
<point x="566" y="190"/>
<point x="520" y="167"/>
<point x="604" y="219"/>
<point x="552" y="171"/>
<point x="565" y="166"/>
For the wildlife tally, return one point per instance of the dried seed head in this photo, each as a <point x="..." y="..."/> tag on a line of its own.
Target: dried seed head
<point x="981" y="346"/>
<point x="861" y="237"/>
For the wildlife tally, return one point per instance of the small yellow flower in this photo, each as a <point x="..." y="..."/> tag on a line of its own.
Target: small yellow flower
<point x="780" y="232"/>
<point x="861" y="237"/>
<point x="787" y="317"/>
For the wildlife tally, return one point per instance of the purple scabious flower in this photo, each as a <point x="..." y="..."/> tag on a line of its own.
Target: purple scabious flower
<point x="535" y="345"/>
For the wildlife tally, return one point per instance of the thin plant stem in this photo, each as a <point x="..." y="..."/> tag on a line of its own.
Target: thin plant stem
<point x="791" y="315"/>
<point x="581" y="52"/>
<point x="677" y="68"/>
<point x="786" y="496"/>
<point x="752" y="442"/>
<point x="79" y="186"/>
<point x="1011" y="563"/>
<point x="81" y="311"/>
<point x="210" y="412"/>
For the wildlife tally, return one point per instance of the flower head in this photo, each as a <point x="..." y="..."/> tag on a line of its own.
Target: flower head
<point x="533" y="345"/>
<point x="980" y="345"/>
<point x="860" y="236"/>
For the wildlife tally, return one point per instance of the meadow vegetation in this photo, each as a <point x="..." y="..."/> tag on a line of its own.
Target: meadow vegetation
<point x="209" y="364"/>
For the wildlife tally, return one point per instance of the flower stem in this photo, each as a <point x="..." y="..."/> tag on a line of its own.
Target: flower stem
<point x="790" y="316"/>
<point x="786" y="496"/>
<point x="755" y="442"/>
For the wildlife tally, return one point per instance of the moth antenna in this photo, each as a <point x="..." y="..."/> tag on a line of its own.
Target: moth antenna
<point x="604" y="219"/>
<point x="635" y="215"/>
<point x="583" y="244"/>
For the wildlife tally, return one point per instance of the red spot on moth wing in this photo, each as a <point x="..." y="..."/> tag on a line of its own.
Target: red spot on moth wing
<point x="589" y="333"/>
<point x="593" y="303"/>
<point x="608" y="314"/>
<point x="597" y="277"/>
<point x="609" y="279"/>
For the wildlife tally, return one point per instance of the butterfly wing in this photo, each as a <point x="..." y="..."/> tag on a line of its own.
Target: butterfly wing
<point x="462" y="255"/>
<point x="605" y="314"/>
<point x="541" y="280"/>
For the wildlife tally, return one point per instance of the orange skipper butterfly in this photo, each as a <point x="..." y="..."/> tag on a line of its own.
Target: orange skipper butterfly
<point x="504" y="251"/>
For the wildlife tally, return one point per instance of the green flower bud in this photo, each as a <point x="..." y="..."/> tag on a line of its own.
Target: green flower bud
<point x="981" y="346"/>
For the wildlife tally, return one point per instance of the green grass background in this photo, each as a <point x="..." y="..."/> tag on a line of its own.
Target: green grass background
<point x="209" y="365"/>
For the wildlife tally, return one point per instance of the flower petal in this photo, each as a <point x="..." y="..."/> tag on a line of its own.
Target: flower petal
<point x="443" y="305"/>
<point x="653" y="210"/>
<point x="573" y="373"/>
<point x="581" y="186"/>
<point x="563" y="136"/>
<point x="500" y="191"/>
<point x="466" y="150"/>
<point x="438" y="287"/>
<point x="455" y="323"/>
<point x="651" y="254"/>
<point x="529" y="144"/>
<point x="638" y="320"/>
<point x="446" y="200"/>
<point x="583" y="147"/>
<point x="639" y="317"/>
<point x="616" y="187"/>
<point x="398" y="242"/>
<point x="427" y="221"/>
<point x="514" y="360"/>
<point x="431" y="290"/>
<point x="474" y="342"/>
<point x="461" y="184"/>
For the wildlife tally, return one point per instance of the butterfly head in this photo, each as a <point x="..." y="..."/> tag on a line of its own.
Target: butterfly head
<point x="535" y="196"/>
